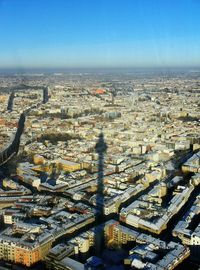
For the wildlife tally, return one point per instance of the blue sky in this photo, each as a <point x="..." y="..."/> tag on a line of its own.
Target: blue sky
<point x="99" y="33"/>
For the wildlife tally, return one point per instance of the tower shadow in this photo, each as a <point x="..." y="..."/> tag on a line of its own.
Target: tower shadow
<point x="99" y="244"/>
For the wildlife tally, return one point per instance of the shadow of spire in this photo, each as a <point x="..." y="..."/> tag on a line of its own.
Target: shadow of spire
<point x="101" y="148"/>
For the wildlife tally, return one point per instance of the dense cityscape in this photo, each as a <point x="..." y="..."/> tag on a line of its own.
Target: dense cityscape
<point x="100" y="169"/>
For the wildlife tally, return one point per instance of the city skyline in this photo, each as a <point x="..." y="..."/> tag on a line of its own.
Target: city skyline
<point x="100" y="34"/>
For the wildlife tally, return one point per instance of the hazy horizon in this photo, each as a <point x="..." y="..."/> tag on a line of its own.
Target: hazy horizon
<point x="27" y="70"/>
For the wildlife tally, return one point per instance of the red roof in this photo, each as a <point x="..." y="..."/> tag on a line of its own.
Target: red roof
<point x="100" y="91"/>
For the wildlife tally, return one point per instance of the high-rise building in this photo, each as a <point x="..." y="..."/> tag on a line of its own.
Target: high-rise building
<point x="10" y="102"/>
<point x="45" y="94"/>
<point x="63" y="113"/>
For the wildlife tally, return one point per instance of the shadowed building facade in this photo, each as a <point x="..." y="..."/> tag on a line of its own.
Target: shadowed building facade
<point x="13" y="148"/>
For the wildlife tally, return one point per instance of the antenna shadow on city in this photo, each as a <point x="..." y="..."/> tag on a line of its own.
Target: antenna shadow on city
<point x="101" y="148"/>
